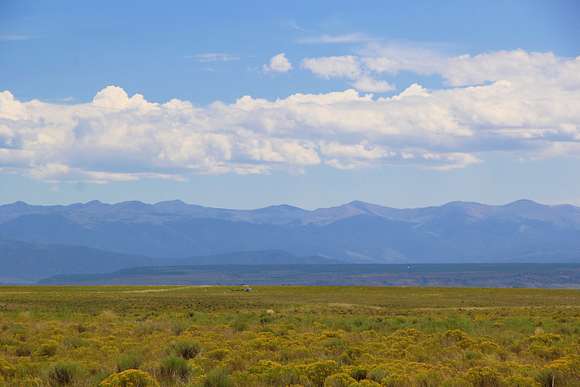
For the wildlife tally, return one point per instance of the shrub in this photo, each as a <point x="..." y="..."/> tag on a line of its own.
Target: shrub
<point x="48" y="349"/>
<point x="72" y="342"/>
<point x="240" y="324"/>
<point x="377" y="374"/>
<point x="108" y="315"/>
<point x="561" y="372"/>
<point x="396" y="380"/>
<point x="129" y="378"/>
<point x="218" y="354"/>
<point x="365" y="383"/>
<point x="428" y="379"/>
<point x="483" y="377"/>
<point x="185" y="349"/>
<point x="23" y="350"/>
<point x="318" y="372"/>
<point x="339" y="380"/>
<point x="63" y="374"/>
<point x="6" y="369"/>
<point x="520" y="381"/>
<point x="174" y="367"/>
<point x="129" y="361"/>
<point x="358" y="373"/>
<point x="178" y="327"/>
<point x="218" y="377"/>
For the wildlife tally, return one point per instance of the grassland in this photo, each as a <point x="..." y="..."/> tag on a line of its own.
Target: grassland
<point x="281" y="336"/>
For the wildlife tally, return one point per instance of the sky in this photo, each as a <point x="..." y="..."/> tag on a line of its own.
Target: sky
<point x="249" y="104"/>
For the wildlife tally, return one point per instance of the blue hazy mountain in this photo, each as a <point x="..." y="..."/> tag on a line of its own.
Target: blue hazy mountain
<point x="357" y="232"/>
<point x="26" y="261"/>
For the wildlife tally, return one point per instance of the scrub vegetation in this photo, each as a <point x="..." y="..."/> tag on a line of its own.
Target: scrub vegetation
<point x="288" y="336"/>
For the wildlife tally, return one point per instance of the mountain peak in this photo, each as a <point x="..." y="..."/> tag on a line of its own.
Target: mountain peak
<point x="18" y="204"/>
<point x="132" y="204"/>
<point x="524" y="203"/>
<point x="171" y="204"/>
<point x="282" y="207"/>
<point x="94" y="203"/>
<point x="359" y="204"/>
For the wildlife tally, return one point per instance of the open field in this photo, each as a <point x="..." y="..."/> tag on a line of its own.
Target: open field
<point x="285" y="335"/>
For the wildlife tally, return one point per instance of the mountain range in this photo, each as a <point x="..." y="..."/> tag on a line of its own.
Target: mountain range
<point x="96" y="235"/>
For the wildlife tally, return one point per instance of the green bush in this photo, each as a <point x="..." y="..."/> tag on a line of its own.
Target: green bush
<point x="178" y="327"/>
<point x="377" y="374"/>
<point x="129" y="361"/>
<point x="240" y="324"/>
<point x="185" y="349"/>
<point x="358" y="373"/>
<point x="218" y="377"/>
<point x="62" y="374"/>
<point x="174" y="367"/>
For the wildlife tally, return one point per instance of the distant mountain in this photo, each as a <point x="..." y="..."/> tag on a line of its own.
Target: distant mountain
<point x="265" y="257"/>
<point x="357" y="232"/>
<point x="25" y="262"/>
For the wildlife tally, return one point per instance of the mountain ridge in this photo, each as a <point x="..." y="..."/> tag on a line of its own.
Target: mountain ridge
<point x="269" y="213"/>
<point x="356" y="232"/>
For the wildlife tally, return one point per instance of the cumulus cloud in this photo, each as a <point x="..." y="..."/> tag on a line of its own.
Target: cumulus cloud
<point x="487" y="107"/>
<point x="278" y="64"/>
<point x="465" y="70"/>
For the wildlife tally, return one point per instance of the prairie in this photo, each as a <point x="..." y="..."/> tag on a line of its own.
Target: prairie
<point x="288" y="335"/>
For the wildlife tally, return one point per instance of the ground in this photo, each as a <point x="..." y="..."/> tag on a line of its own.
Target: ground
<point x="286" y="335"/>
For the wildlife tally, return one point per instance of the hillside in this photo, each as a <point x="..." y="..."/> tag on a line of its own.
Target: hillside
<point x="23" y="262"/>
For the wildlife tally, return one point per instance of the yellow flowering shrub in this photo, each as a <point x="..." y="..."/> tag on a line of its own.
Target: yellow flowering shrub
<point x="129" y="378"/>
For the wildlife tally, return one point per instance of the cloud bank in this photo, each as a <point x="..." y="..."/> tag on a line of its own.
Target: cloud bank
<point x="524" y="104"/>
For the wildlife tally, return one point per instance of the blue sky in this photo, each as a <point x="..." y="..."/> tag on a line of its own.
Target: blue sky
<point x="515" y="135"/>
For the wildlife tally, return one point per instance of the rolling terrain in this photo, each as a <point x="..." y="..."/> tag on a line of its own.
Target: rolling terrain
<point x="314" y="336"/>
<point x="528" y="275"/>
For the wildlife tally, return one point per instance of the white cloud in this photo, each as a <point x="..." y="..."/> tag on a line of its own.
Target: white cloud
<point x="371" y="85"/>
<point x="348" y="67"/>
<point x="278" y="64"/>
<point x="528" y="114"/>
<point x="355" y="37"/>
<point x="465" y="70"/>
<point x="333" y="66"/>
<point x="393" y="57"/>
<point x="214" y="57"/>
